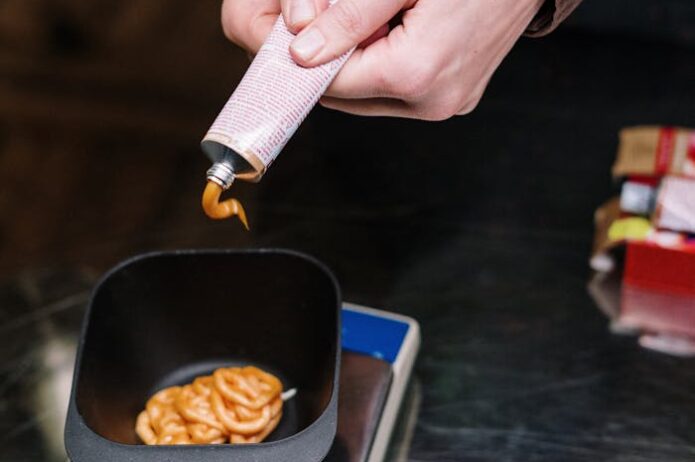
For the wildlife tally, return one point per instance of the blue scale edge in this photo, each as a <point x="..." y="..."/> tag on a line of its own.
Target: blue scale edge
<point x="372" y="335"/>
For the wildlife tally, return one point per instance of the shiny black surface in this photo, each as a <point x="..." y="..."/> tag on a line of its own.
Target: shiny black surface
<point x="479" y="227"/>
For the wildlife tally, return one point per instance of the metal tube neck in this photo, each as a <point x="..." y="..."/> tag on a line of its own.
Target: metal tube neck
<point x="221" y="173"/>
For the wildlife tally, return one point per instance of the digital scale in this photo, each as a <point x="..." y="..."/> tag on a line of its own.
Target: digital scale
<point x="379" y="350"/>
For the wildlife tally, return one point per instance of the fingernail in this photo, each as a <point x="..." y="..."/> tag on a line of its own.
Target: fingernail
<point x="302" y="12"/>
<point x="308" y="44"/>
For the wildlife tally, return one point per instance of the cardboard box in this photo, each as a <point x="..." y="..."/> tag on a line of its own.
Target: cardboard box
<point x="649" y="265"/>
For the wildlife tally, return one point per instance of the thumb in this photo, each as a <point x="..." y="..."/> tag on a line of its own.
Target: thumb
<point x="342" y="27"/>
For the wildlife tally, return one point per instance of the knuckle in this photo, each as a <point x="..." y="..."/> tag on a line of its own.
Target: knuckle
<point x="441" y="110"/>
<point x="450" y="103"/>
<point x="348" y="17"/>
<point x="469" y="104"/>
<point x="439" y="113"/>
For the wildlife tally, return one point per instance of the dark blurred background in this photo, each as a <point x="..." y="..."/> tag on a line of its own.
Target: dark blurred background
<point x="102" y="105"/>
<point x="479" y="226"/>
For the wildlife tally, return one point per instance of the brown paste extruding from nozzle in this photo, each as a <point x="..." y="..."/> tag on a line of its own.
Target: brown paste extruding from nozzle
<point x="220" y="210"/>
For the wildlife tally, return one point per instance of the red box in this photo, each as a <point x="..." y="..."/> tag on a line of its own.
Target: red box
<point x="664" y="269"/>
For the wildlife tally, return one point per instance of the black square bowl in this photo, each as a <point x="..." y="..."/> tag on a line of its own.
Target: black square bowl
<point x="162" y="319"/>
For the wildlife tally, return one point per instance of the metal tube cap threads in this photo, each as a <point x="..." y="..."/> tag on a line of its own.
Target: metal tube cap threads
<point x="221" y="173"/>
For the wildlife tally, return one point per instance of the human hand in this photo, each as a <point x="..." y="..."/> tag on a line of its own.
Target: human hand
<point x="435" y="63"/>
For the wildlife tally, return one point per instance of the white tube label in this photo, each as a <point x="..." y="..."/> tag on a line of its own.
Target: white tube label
<point x="271" y="101"/>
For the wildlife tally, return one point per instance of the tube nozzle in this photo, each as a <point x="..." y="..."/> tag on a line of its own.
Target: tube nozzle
<point x="222" y="173"/>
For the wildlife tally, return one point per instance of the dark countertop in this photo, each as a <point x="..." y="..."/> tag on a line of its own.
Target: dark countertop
<point x="479" y="227"/>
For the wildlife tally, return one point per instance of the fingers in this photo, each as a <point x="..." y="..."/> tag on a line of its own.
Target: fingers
<point x="360" y="77"/>
<point x="404" y="75"/>
<point x="341" y="27"/>
<point x="299" y="13"/>
<point x="248" y="23"/>
<point x="389" y="107"/>
<point x="395" y="66"/>
<point x="369" y="107"/>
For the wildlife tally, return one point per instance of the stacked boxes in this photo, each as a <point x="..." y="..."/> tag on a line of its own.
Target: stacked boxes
<point x="646" y="238"/>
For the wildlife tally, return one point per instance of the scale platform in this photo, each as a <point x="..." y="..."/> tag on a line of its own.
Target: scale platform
<point x="379" y="350"/>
